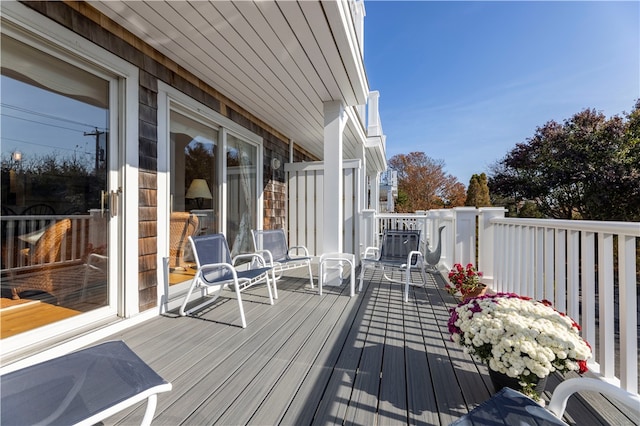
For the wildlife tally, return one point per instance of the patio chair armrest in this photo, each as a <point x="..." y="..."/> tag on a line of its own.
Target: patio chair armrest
<point x="371" y="253"/>
<point x="296" y="248"/>
<point x="213" y="266"/>
<point x="564" y="390"/>
<point x="266" y="254"/>
<point x="410" y="256"/>
<point x="250" y="256"/>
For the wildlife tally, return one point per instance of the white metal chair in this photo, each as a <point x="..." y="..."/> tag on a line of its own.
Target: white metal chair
<point x="564" y="390"/>
<point x="81" y="388"/>
<point x="400" y="251"/>
<point x="510" y="407"/>
<point x="273" y="243"/>
<point x="217" y="270"/>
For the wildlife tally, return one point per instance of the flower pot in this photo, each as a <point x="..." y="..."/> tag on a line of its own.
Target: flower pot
<point x="479" y="291"/>
<point x="500" y="381"/>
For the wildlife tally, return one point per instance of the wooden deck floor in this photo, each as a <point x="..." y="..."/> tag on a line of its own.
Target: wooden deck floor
<point x="331" y="359"/>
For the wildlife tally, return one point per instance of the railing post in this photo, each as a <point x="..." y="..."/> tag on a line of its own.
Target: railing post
<point x="422" y="224"/>
<point x="367" y="232"/>
<point x="487" y="241"/>
<point x="438" y="218"/>
<point x="465" y="235"/>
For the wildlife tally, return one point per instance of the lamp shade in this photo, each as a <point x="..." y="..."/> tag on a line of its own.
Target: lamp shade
<point x="199" y="189"/>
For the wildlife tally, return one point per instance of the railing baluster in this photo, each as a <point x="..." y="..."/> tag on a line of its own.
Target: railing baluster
<point x="606" y="349"/>
<point x="628" y="312"/>
<point x="539" y="268"/>
<point x="588" y="288"/>
<point x="573" y="271"/>
<point x="549" y="265"/>
<point x="560" y="290"/>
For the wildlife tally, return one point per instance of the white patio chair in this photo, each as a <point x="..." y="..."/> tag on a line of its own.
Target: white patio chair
<point x="399" y="251"/>
<point x="80" y="388"/>
<point x="510" y="407"/>
<point x="216" y="270"/>
<point x="273" y="243"/>
<point x="564" y="390"/>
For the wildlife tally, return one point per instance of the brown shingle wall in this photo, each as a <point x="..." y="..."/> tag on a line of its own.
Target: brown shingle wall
<point x="84" y="20"/>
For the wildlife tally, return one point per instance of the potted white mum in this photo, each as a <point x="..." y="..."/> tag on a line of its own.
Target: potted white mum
<point x="520" y="338"/>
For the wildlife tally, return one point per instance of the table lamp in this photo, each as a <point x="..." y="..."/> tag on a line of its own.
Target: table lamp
<point x="199" y="190"/>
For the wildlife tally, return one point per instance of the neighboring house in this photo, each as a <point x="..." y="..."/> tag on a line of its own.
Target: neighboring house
<point x="388" y="191"/>
<point x="142" y="122"/>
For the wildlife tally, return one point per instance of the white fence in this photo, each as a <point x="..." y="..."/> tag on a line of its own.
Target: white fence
<point x="305" y="221"/>
<point x="585" y="268"/>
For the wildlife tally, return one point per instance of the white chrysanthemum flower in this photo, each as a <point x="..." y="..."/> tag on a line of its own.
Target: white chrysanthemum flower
<point x="519" y="337"/>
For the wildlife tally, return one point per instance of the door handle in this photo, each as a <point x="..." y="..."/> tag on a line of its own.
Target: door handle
<point x="114" y="199"/>
<point x="103" y="197"/>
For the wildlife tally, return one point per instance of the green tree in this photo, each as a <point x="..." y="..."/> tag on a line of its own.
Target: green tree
<point x="529" y="209"/>
<point x="588" y="167"/>
<point x="478" y="192"/>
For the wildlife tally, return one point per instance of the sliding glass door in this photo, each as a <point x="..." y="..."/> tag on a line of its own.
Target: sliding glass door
<point x="58" y="196"/>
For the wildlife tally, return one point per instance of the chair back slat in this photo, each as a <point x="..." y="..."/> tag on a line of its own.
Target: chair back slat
<point x="273" y="240"/>
<point x="396" y="245"/>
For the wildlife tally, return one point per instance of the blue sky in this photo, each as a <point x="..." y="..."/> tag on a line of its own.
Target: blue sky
<point x="465" y="82"/>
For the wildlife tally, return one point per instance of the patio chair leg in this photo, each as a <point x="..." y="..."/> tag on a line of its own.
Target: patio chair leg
<point x="362" y="268"/>
<point x="269" y="289"/>
<point x="275" y="284"/>
<point x="310" y="275"/>
<point x="406" y="286"/>
<point x="187" y="296"/>
<point x="423" y="270"/>
<point x="152" y="402"/>
<point x="244" y="321"/>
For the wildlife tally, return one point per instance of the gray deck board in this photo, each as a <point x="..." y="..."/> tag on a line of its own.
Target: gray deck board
<point x="310" y="353"/>
<point x="324" y="360"/>
<point x="392" y="407"/>
<point x="363" y="406"/>
<point x="326" y="375"/>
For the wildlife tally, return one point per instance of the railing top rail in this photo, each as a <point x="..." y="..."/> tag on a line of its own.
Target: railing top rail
<point x="44" y="217"/>
<point x="399" y="215"/>
<point x="625" y="228"/>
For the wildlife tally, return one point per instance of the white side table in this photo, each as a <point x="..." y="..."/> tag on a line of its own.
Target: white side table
<point x="338" y="258"/>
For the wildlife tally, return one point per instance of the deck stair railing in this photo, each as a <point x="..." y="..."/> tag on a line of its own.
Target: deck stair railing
<point x="587" y="269"/>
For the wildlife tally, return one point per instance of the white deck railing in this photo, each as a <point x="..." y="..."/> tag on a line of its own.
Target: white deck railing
<point x="585" y="268"/>
<point x="87" y="233"/>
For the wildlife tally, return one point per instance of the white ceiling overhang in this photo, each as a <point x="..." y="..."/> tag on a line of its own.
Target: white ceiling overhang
<point x="279" y="60"/>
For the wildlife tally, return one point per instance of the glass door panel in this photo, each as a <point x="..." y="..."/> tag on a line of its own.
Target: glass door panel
<point x="242" y="198"/>
<point x="193" y="190"/>
<point x="55" y="143"/>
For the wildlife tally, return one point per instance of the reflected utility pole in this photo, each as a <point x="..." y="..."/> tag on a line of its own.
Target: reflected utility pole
<point x="99" y="151"/>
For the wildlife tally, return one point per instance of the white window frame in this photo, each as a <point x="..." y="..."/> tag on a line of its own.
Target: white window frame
<point x="30" y="27"/>
<point x="169" y="96"/>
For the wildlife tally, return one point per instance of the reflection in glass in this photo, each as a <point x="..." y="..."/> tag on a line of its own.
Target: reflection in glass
<point x="193" y="190"/>
<point x="242" y="195"/>
<point x="54" y="136"/>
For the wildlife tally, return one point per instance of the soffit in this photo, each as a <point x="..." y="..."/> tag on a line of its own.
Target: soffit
<point x="279" y="60"/>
